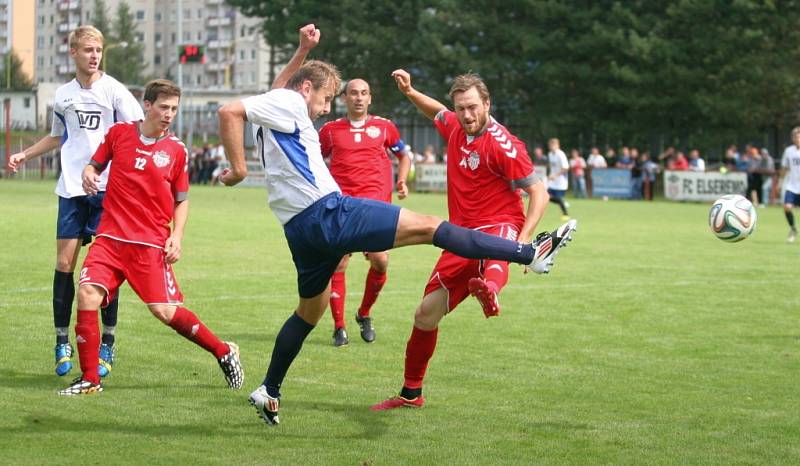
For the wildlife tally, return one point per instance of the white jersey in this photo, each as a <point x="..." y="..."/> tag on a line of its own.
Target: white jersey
<point x="81" y="118"/>
<point x="558" y="161"/>
<point x="791" y="161"/>
<point x="290" y="151"/>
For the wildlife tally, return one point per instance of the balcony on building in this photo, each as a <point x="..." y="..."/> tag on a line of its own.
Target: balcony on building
<point x="67" y="27"/>
<point x="219" y="21"/>
<point x="72" y="5"/>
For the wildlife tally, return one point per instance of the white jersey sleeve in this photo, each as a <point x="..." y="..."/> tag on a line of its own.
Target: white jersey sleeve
<point x="272" y="111"/>
<point x="791" y="162"/>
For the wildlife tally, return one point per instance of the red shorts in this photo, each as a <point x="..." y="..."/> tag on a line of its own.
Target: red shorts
<point x="111" y="262"/>
<point x="452" y="272"/>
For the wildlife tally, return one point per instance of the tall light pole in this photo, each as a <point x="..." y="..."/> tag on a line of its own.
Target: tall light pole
<point x="179" y="4"/>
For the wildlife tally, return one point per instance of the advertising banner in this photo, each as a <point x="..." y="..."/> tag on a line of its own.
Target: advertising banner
<point x="708" y="186"/>
<point x="611" y="182"/>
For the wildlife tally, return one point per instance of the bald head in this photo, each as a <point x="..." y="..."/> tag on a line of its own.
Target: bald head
<point x="357" y="98"/>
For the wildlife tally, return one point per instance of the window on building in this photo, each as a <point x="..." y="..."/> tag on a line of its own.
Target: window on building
<point x="40" y="61"/>
<point x="199" y="36"/>
<point x="172" y="38"/>
<point x="40" y="42"/>
<point x="187" y="36"/>
<point x="158" y="16"/>
<point x="187" y="13"/>
<point x="243" y="31"/>
<point x="241" y="55"/>
<point x="26" y="102"/>
<point x="198" y="79"/>
<point x="139" y="37"/>
<point x="51" y="60"/>
<point x="140" y="15"/>
<point x="157" y="59"/>
<point x="199" y="13"/>
<point x="158" y="37"/>
<point x="253" y="54"/>
<point x="51" y="41"/>
<point x="52" y="19"/>
<point x="41" y="20"/>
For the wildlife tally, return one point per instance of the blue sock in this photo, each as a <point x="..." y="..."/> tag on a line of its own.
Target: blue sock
<point x="287" y="344"/>
<point x="473" y="244"/>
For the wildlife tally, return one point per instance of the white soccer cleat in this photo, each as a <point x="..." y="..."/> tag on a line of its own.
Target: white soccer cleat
<point x="266" y="406"/>
<point x="546" y="246"/>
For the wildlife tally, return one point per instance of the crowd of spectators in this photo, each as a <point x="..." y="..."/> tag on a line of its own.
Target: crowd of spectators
<point x="754" y="161"/>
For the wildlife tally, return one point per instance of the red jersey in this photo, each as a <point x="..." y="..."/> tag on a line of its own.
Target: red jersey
<point x="484" y="173"/>
<point x="359" y="161"/>
<point x="149" y="176"/>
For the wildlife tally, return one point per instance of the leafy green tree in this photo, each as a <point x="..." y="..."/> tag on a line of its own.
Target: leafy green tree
<point x="606" y="72"/>
<point x="100" y="17"/>
<point x="13" y="76"/>
<point x="123" y="53"/>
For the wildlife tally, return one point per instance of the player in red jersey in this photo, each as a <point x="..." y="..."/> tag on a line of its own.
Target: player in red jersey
<point x="147" y="190"/>
<point x="358" y="147"/>
<point x="486" y="168"/>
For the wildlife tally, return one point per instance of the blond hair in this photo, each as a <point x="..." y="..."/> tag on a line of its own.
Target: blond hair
<point x="90" y="32"/>
<point x="465" y="82"/>
<point x="795" y="131"/>
<point x="320" y="73"/>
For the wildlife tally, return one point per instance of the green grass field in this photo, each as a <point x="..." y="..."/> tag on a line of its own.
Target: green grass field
<point x="651" y="342"/>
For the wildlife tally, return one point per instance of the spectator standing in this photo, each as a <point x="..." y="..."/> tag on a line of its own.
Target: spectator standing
<point x="696" y="163"/>
<point x="636" y="175"/>
<point x="768" y="172"/>
<point x="650" y="170"/>
<point x="595" y="161"/>
<point x="678" y="162"/>
<point x="577" y="167"/>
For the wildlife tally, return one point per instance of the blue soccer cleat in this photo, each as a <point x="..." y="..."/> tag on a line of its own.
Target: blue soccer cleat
<point x="106" y="360"/>
<point x="63" y="359"/>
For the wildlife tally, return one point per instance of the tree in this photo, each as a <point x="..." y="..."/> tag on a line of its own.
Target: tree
<point x="13" y="76"/>
<point x="123" y="53"/>
<point x="691" y="73"/>
<point x="100" y="17"/>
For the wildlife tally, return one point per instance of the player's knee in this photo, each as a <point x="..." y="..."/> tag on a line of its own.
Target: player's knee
<point x="89" y="297"/>
<point x="379" y="261"/>
<point x="64" y="264"/>
<point x="162" y="313"/>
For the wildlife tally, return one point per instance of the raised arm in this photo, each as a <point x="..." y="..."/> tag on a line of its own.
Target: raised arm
<point x="309" y="38"/>
<point x="429" y="106"/>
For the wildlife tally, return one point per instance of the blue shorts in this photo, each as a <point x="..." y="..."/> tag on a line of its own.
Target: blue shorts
<point x="79" y="216"/>
<point x="791" y="198"/>
<point x="332" y="227"/>
<point x="556" y="193"/>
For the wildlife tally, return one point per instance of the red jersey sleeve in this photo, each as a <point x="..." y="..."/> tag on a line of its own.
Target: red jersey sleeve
<point x="509" y="158"/>
<point x="445" y="122"/>
<point x="393" y="141"/>
<point x="180" y="174"/>
<point x="326" y="140"/>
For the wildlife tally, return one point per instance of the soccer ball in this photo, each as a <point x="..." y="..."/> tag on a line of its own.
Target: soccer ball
<point x="732" y="218"/>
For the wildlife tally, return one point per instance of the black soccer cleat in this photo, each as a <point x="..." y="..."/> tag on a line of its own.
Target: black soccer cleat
<point x="367" y="330"/>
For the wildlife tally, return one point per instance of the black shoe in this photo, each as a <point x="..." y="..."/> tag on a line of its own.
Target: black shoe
<point x="340" y="337"/>
<point x="367" y="331"/>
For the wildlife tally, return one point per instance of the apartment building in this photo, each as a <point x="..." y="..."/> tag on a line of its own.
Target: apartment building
<point x="237" y="57"/>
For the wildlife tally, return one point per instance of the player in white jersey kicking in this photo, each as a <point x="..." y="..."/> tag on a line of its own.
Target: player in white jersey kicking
<point x="790" y="175"/>
<point x="83" y="110"/>
<point x="321" y="225"/>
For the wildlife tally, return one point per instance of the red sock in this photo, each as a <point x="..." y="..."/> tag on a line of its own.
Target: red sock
<point x="87" y="335"/>
<point x="419" y="351"/>
<point x="495" y="273"/>
<point x="372" y="289"/>
<point x="187" y="324"/>
<point x="338" y="293"/>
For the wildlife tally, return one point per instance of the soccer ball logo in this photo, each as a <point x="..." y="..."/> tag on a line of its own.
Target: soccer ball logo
<point x="732" y="218"/>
